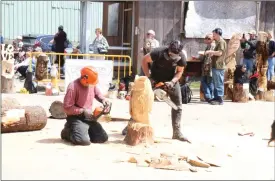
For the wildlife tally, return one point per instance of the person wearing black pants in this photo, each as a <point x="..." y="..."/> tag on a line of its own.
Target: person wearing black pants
<point x="59" y="45"/>
<point x="82" y="127"/>
<point x="167" y="66"/>
<point x="81" y="131"/>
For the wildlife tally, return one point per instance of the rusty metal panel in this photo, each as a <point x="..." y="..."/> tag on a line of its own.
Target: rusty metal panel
<point x="44" y="17"/>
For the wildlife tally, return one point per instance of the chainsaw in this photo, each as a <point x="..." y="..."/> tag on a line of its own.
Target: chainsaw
<point x="99" y="111"/>
<point x="160" y="91"/>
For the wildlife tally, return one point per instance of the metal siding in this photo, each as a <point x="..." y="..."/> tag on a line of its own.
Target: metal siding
<point x="43" y="17"/>
<point x="96" y="13"/>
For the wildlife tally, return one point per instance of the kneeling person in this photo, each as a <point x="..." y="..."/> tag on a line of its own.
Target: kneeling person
<point x="81" y="127"/>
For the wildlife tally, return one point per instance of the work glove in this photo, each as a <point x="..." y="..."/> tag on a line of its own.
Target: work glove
<point x="170" y="85"/>
<point x="87" y="114"/>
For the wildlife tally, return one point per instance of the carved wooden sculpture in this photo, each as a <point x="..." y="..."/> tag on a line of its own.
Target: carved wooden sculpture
<point x="230" y="63"/>
<point x="41" y="67"/>
<point x="241" y="87"/>
<point x="7" y="65"/>
<point x="262" y="63"/>
<point x="142" y="98"/>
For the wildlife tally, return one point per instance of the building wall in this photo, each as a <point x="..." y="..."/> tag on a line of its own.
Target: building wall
<point x="164" y="17"/>
<point x="43" y="17"/>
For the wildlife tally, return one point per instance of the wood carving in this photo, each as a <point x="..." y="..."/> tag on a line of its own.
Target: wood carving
<point x="23" y="118"/>
<point x="141" y="102"/>
<point x="262" y="62"/>
<point x="240" y="94"/>
<point x="7" y="77"/>
<point x="41" y="67"/>
<point x="230" y="63"/>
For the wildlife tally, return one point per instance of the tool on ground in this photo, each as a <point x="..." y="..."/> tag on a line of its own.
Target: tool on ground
<point x="99" y="111"/>
<point x="160" y="91"/>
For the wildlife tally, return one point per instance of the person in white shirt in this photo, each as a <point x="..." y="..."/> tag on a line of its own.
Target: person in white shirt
<point x="150" y="43"/>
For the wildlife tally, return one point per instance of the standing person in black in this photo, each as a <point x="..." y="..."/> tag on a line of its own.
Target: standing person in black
<point x="59" y="42"/>
<point x="167" y="66"/>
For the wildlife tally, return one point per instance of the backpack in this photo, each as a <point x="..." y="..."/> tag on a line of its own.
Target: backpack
<point x="186" y="94"/>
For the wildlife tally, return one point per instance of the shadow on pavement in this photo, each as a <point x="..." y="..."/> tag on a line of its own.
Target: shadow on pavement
<point x="53" y="141"/>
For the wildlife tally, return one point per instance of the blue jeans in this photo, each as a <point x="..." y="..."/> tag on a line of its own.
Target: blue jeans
<point x="218" y="80"/>
<point x="270" y="70"/>
<point x="208" y="87"/>
<point x="249" y="65"/>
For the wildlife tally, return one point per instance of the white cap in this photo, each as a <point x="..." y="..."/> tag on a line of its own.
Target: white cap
<point x="152" y="32"/>
<point x="38" y="49"/>
<point x="252" y="32"/>
<point x="20" y="44"/>
<point x="19" y="37"/>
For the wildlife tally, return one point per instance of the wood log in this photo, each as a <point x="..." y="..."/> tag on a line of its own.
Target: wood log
<point x="7" y="85"/>
<point x="240" y="94"/>
<point x="139" y="133"/>
<point x="57" y="110"/>
<point x="269" y="96"/>
<point x="9" y="103"/>
<point x="35" y="119"/>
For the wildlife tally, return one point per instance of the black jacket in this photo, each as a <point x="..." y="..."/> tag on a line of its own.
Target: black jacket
<point x="249" y="47"/>
<point x="271" y="47"/>
<point x="59" y="40"/>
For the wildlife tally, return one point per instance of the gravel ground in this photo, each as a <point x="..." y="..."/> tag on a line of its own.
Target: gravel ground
<point x="212" y="129"/>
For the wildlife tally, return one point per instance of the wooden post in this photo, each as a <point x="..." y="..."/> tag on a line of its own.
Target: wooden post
<point x="142" y="98"/>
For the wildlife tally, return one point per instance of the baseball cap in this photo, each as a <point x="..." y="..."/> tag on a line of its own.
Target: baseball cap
<point x="252" y="32"/>
<point x="152" y="32"/>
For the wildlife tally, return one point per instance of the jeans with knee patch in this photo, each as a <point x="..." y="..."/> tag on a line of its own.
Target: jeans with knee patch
<point x="79" y="131"/>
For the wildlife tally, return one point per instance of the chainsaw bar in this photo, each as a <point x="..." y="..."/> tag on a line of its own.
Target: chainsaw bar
<point x="162" y="95"/>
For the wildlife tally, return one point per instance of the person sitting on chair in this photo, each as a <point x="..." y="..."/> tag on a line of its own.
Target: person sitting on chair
<point x="81" y="127"/>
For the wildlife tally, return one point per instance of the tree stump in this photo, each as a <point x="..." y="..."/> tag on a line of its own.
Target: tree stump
<point x="139" y="133"/>
<point x="7" y="85"/>
<point x="57" y="110"/>
<point x="240" y="94"/>
<point x="35" y="118"/>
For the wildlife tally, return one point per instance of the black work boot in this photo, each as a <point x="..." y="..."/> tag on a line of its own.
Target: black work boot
<point x="65" y="133"/>
<point x="177" y="133"/>
<point x="219" y="101"/>
<point x="124" y="131"/>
